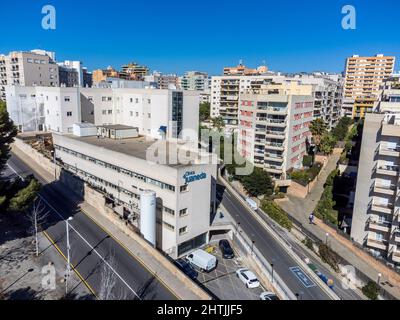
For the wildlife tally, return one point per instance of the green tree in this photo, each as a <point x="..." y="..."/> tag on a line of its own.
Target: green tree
<point x="371" y="290"/>
<point x="327" y="143"/>
<point x="257" y="183"/>
<point x="276" y="213"/>
<point x="204" y="111"/>
<point x="24" y="198"/>
<point x="318" y="129"/>
<point x="218" y="123"/>
<point x="7" y="133"/>
<point x="342" y="128"/>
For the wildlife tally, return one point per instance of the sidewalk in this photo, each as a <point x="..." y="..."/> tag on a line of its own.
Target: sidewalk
<point x="300" y="210"/>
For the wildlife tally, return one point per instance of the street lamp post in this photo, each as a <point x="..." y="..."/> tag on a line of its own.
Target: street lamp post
<point x="379" y="278"/>
<point x="272" y="273"/>
<point x="326" y="238"/>
<point x="308" y="185"/>
<point x="237" y="226"/>
<point x="68" y="256"/>
<point x="252" y="246"/>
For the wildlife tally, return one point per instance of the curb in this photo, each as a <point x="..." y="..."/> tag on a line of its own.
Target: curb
<point x="301" y="263"/>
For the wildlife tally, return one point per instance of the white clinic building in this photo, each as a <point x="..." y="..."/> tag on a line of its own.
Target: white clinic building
<point x="157" y="113"/>
<point x="125" y="170"/>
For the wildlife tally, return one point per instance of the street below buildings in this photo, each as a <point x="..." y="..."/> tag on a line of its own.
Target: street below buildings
<point x="92" y="247"/>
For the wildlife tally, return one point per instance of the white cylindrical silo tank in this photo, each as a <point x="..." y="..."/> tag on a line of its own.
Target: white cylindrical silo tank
<point x="148" y="215"/>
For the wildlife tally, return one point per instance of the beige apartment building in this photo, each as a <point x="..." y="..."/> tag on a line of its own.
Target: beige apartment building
<point x="376" y="215"/>
<point x="364" y="76"/>
<point x="33" y="68"/>
<point x="274" y="126"/>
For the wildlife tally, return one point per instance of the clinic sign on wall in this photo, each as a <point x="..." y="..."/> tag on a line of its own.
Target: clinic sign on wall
<point x="191" y="176"/>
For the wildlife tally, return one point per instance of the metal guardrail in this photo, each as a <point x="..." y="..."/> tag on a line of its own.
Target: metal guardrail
<point x="251" y="250"/>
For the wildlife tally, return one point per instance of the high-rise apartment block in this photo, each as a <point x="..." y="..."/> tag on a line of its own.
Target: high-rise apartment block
<point x="33" y="68"/>
<point x="195" y="80"/>
<point x="376" y="215"/>
<point x="274" y="123"/>
<point x="363" y="77"/>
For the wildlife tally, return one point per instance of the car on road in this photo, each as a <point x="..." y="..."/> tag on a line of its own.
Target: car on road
<point x="252" y="203"/>
<point x="186" y="268"/>
<point x="226" y="249"/>
<point x="248" y="278"/>
<point x="268" y="296"/>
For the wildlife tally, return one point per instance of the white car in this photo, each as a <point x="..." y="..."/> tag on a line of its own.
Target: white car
<point x="248" y="278"/>
<point x="268" y="296"/>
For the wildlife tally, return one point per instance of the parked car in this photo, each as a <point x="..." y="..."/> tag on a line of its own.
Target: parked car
<point x="252" y="203"/>
<point x="248" y="278"/>
<point x="226" y="249"/>
<point x="268" y="296"/>
<point x="202" y="260"/>
<point x="186" y="268"/>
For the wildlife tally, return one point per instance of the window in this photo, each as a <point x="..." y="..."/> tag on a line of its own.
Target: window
<point x="183" y="212"/>
<point x="184" y="188"/>
<point x="67" y="99"/>
<point x="137" y="100"/>
<point x="149" y="101"/>
<point x="104" y="112"/>
<point x="103" y="99"/>
<point x="182" y="231"/>
<point x="109" y="99"/>
<point x="69" y="114"/>
<point x="169" y="211"/>
<point x="149" y="115"/>
<point x="109" y="111"/>
<point x="30" y="60"/>
<point x="131" y="113"/>
<point x="131" y="100"/>
<point x="137" y="114"/>
<point x="169" y="226"/>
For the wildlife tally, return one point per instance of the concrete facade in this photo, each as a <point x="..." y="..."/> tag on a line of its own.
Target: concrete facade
<point x="122" y="171"/>
<point x="375" y="222"/>
<point x="34" y="68"/>
<point x="273" y="130"/>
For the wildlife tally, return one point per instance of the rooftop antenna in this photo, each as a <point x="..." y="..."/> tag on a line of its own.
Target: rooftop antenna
<point x="240" y="62"/>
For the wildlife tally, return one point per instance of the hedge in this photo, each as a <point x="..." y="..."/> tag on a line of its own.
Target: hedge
<point x="276" y="213"/>
<point x="371" y="290"/>
<point x="329" y="256"/>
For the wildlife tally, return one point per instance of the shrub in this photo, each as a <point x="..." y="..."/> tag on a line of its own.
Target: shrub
<point x="308" y="243"/>
<point x="371" y="290"/>
<point x="307" y="161"/>
<point x="305" y="176"/>
<point x="276" y="213"/>
<point x="324" y="209"/>
<point x="329" y="256"/>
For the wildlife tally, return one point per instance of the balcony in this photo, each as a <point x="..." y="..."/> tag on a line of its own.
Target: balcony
<point x="274" y="146"/>
<point x="382" y="207"/>
<point x="388" y="170"/>
<point x="273" y="157"/>
<point x="385" y="150"/>
<point x="373" y="243"/>
<point x="273" y="169"/>
<point x="275" y="134"/>
<point x="396" y="256"/>
<point x="389" y="190"/>
<point x="379" y="225"/>
<point x="397" y="237"/>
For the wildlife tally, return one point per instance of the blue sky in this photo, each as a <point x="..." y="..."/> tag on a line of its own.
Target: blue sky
<point x="175" y="36"/>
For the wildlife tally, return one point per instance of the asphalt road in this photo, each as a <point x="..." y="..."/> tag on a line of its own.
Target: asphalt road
<point x="95" y="254"/>
<point x="269" y="247"/>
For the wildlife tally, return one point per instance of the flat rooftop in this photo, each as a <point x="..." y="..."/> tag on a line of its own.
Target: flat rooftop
<point x="117" y="127"/>
<point x="137" y="147"/>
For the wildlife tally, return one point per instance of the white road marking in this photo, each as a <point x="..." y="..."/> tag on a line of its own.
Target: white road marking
<point x="93" y="249"/>
<point x="22" y="178"/>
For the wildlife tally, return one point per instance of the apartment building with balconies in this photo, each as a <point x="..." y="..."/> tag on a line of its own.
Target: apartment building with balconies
<point x="274" y="129"/>
<point x="195" y="80"/>
<point x="363" y="77"/>
<point x="376" y="215"/>
<point x="33" y="68"/>
<point x="226" y="91"/>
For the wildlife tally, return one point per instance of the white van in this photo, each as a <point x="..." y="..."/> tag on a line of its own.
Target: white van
<point x="252" y="203"/>
<point x="202" y="260"/>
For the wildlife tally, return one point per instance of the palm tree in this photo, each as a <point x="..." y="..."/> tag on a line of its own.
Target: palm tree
<point x="318" y="129"/>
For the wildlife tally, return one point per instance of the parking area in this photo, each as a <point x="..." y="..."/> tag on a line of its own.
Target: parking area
<point x="223" y="281"/>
